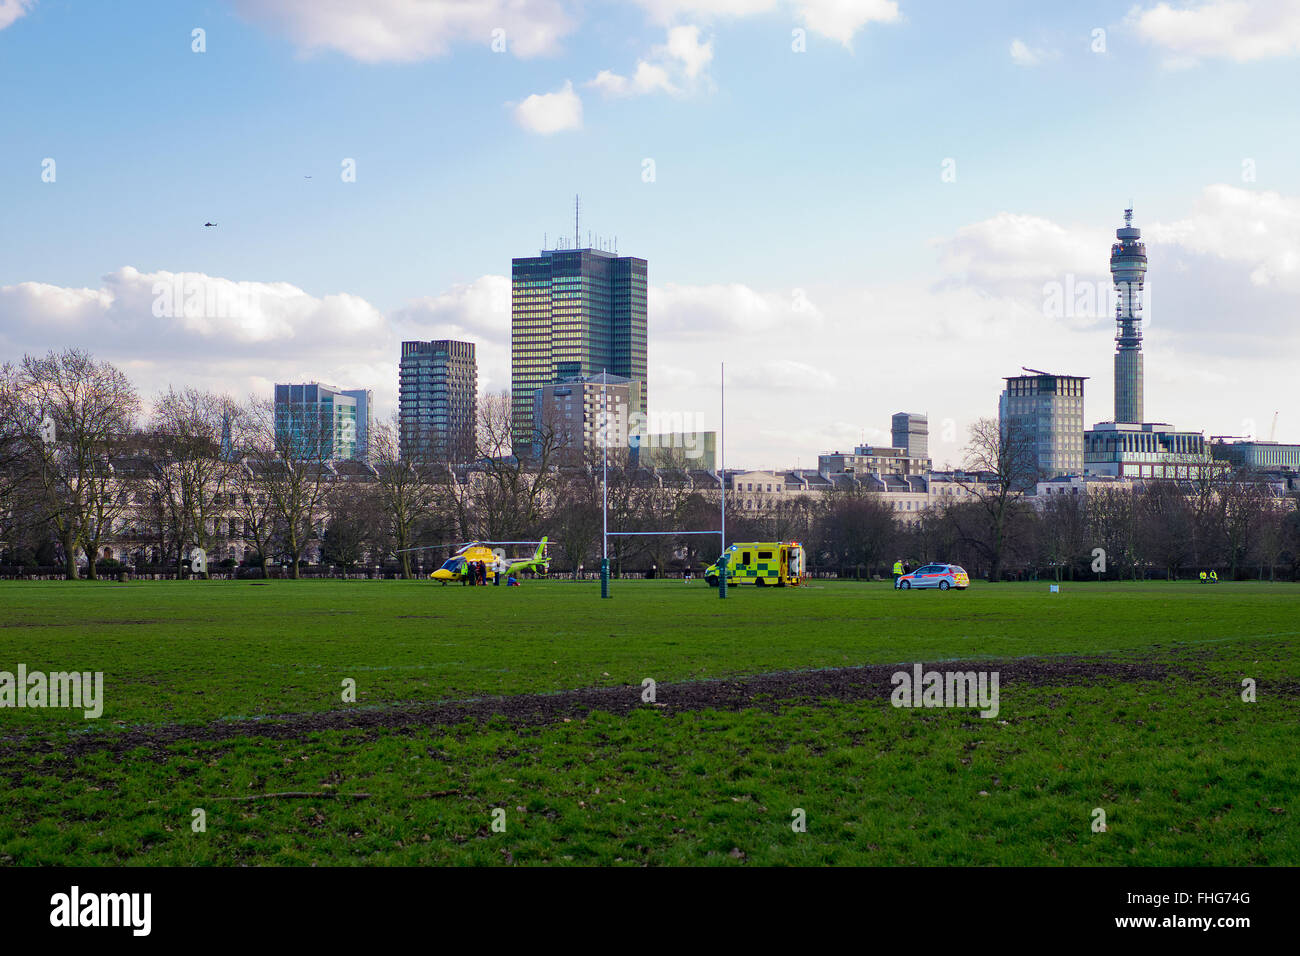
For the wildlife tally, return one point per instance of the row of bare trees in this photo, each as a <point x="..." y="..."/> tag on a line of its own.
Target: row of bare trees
<point x="85" y="464"/>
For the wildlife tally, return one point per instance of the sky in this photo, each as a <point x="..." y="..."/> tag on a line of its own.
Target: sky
<point x="859" y="206"/>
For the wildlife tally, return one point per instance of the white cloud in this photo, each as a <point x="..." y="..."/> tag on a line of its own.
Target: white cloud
<point x="678" y="66"/>
<point x="1010" y="248"/>
<point x="478" y="312"/>
<point x="11" y="10"/>
<point x="685" y="48"/>
<point x="407" y="30"/>
<point x="1240" y="30"/>
<point x="167" y="328"/>
<point x="166" y="313"/>
<point x="1022" y="54"/>
<point x="548" y="113"/>
<point x="688" y="312"/>
<point x="1259" y="230"/>
<point x="665" y="11"/>
<point x="784" y="375"/>
<point x="647" y="79"/>
<point x="841" y="19"/>
<point x="838" y="20"/>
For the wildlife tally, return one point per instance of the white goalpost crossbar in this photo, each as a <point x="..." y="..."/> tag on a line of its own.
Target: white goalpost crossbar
<point x="627" y="534"/>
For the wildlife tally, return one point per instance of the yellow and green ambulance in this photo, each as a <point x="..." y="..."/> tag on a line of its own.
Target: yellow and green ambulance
<point x="761" y="563"/>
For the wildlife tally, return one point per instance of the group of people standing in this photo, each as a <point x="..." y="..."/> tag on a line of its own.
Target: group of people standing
<point x="476" y="574"/>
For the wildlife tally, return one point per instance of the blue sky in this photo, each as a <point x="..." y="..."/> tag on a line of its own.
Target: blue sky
<point x="781" y="178"/>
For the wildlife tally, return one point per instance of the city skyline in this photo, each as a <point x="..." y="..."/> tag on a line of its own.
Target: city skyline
<point x="841" y="274"/>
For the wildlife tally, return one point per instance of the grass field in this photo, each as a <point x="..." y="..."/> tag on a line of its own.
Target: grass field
<point x="226" y="697"/>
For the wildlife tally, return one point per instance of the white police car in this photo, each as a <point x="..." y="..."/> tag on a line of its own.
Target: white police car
<point x="941" y="576"/>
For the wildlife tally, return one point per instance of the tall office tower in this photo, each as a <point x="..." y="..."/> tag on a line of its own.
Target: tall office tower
<point x="574" y="313"/>
<point x="437" y="400"/>
<point x="1128" y="267"/>
<point x="365" y="399"/>
<point x="1049" y="409"/>
<point x="321" y="421"/>
<point x="911" y="432"/>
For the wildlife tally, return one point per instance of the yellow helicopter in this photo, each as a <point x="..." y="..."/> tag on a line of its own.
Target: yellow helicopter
<point x="456" y="568"/>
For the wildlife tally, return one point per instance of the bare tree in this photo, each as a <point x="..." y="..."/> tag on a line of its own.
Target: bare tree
<point x="1242" y="512"/>
<point x="194" y="474"/>
<point x="510" y="498"/>
<point x="1003" y="460"/>
<point x="576" y="518"/>
<point x="1165" y="520"/>
<point x="289" y="448"/>
<point x="1063" y="534"/>
<point x="408" y="493"/>
<point x="1112" y="526"/>
<point x="698" y="511"/>
<point x="255" y="512"/>
<point x="859" y="527"/>
<point x="91" y="406"/>
<point x="17" y="464"/>
<point x="355" y="523"/>
<point x="1271" y="541"/>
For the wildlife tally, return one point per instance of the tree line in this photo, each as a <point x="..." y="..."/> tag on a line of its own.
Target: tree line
<point x="87" y="465"/>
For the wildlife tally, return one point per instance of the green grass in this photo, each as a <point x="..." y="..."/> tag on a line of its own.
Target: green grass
<point x="1186" y="772"/>
<point x="192" y="652"/>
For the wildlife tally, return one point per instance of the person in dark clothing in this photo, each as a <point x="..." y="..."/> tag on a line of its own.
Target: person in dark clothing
<point x="482" y="572"/>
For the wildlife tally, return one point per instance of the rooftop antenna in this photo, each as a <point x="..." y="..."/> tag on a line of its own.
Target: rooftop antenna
<point x="576" y="239"/>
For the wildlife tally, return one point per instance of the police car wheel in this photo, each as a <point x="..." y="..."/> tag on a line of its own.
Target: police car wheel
<point x="944" y="585"/>
<point x="904" y="584"/>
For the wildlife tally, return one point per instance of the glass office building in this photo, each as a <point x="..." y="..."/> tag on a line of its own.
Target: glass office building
<point x="1258" y="455"/>
<point x="319" y="420"/>
<point x="574" y="313"/>
<point x="437" y="399"/>
<point x="365" y="399"/>
<point x="1148" y="450"/>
